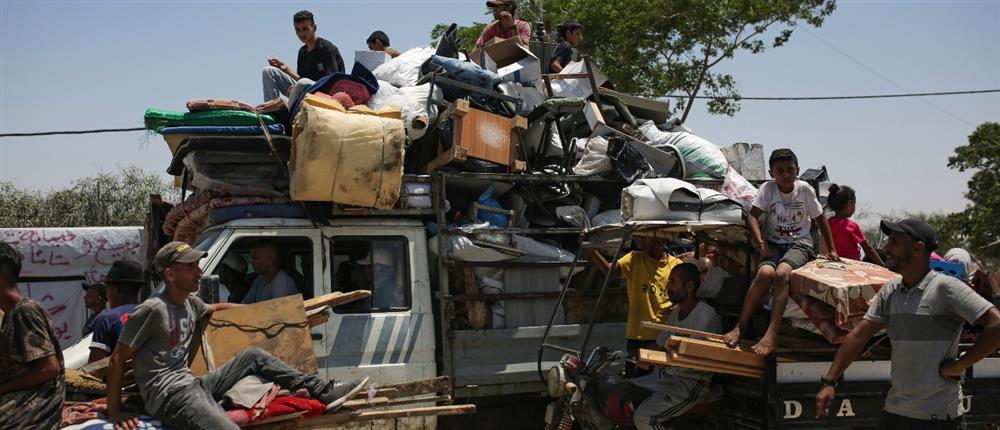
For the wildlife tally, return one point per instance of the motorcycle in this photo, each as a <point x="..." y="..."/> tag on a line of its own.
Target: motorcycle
<point x="591" y="393"/>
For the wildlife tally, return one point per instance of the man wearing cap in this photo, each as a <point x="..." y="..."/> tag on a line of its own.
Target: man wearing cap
<point x="95" y="299"/>
<point x="123" y="281"/>
<point x="157" y="336"/>
<point x="504" y="26"/>
<point x="924" y="312"/>
<point x="32" y="383"/>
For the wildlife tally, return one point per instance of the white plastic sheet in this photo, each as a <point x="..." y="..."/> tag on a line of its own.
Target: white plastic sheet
<point x="404" y="70"/>
<point x="595" y="157"/>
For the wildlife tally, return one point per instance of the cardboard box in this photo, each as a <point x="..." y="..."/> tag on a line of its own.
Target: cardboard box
<point x="513" y="61"/>
<point x="593" y="114"/>
<point x="371" y="59"/>
<point x="478" y="55"/>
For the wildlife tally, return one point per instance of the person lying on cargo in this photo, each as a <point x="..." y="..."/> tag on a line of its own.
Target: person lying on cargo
<point x="791" y="207"/>
<point x="157" y="338"/>
<point x="923" y="312"/>
<point x="571" y="33"/>
<point x="317" y="58"/>
<point x="124" y="280"/>
<point x="676" y="390"/>
<point x="504" y="25"/>
<point x="646" y="272"/>
<point x="379" y="42"/>
<point x="271" y="282"/>
<point x="32" y="376"/>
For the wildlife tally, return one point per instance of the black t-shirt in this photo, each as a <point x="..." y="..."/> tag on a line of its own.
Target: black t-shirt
<point x="563" y="53"/>
<point x="323" y="60"/>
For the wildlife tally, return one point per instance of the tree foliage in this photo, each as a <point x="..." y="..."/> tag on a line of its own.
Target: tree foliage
<point x="105" y="199"/>
<point x="467" y="36"/>
<point x="977" y="227"/>
<point x="659" y="47"/>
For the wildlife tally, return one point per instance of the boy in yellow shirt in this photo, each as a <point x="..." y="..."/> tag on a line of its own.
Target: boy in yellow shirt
<point x="645" y="271"/>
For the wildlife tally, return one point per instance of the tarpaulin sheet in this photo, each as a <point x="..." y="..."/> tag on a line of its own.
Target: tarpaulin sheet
<point x="156" y="119"/>
<point x="57" y="260"/>
<point x="352" y="157"/>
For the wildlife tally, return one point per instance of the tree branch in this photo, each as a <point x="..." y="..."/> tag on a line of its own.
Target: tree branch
<point x="697" y="88"/>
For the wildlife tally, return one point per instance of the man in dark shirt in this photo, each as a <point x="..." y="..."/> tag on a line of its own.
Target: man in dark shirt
<point x="317" y="58"/>
<point x="95" y="299"/>
<point x="124" y="280"/>
<point x="32" y="384"/>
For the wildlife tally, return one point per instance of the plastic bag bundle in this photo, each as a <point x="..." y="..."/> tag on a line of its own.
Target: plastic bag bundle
<point x="404" y="70"/>
<point x="703" y="159"/>
<point x="595" y="158"/>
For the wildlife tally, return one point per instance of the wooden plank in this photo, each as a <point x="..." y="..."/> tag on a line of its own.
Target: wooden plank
<point x="477" y="311"/>
<point x="379" y="402"/>
<point x="714" y="366"/>
<point x="278" y="326"/>
<point x="662" y="358"/>
<point x="455" y="153"/>
<point x="326" y="421"/>
<point x="680" y="330"/>
<point x="336" y="299"/>
<point x="277" y="419"/>
<point x="441" y="384"/>
<point x="719" y="352"/>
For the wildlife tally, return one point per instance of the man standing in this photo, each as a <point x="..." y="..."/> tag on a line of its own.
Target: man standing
<point x="123" y="280"/>
<point x="95" y="299"/>
<point x="157" y="337"/>
<point x="646" y="271"/>
<point x="504" y="26"/>
<point x="676" y="390"/>
<point x="924" y="312"/>
<point x="271" y="282"/>
<point x="32" y="385"/>
<point x="317" y="58"/>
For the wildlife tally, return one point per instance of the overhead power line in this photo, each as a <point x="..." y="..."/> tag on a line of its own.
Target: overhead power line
<point x="53" y="133"/>
<point x="871" y="96"/>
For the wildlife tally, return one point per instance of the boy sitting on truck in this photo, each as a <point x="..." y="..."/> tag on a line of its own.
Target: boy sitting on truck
<point x="675" y="389"/>
<point x="791" y="207"/>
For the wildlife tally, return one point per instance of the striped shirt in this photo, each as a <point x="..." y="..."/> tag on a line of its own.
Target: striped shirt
<point x="924" y="323"/>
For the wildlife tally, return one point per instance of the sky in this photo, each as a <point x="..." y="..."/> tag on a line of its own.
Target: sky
<point x="68" y="65"/>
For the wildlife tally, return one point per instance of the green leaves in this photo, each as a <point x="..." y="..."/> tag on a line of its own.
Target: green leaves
<point x="101" y="200"/>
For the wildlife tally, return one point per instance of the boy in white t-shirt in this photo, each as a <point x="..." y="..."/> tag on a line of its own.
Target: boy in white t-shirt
<point x="791" y="207"/>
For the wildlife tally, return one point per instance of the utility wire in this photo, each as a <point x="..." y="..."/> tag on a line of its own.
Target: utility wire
<point x="873" y="96"/>
<point x="680" y="96"/>
<point x="53" y="133"/>
<point x="883" y="77"/>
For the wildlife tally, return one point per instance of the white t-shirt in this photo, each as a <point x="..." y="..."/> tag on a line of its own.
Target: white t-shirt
<point x="789" y="215"/>
<point x="702" y="318"/>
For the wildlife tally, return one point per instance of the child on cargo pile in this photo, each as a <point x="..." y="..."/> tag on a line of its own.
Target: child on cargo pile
<point x="847" y="234"/>
<point x="791" y="207"/>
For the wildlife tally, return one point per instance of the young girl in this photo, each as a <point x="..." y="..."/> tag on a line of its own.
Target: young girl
<point x="847" y="234"/>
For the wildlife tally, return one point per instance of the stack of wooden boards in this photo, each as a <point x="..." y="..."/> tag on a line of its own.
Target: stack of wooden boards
<point x="390" y="402"/>
<point x="711" y="355"/>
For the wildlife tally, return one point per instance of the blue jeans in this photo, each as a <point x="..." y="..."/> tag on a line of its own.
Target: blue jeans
<point x="278" y="83"/>
<point x="196" y="406"/>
